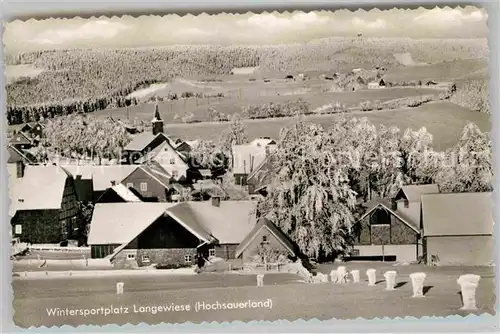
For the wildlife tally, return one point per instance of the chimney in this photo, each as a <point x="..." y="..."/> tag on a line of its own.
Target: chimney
<point x="20" y="169"/>
<point x="157" y="122"/>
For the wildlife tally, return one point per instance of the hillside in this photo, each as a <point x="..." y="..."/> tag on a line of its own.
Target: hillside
<point x="114" y="73"/>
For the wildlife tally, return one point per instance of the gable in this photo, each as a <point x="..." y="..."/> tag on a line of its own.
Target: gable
<point x="274" y="236"/>
<point x="16" y="155"/>
<point x="20" y="138"/>
<point x="141" y="174"/>
<point x="382" y="225"/>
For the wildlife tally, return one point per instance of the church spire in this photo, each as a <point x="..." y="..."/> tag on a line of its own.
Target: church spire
<point x="157" y="122"/>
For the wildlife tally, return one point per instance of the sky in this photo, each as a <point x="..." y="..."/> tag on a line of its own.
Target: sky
<point x="265" y="28"/>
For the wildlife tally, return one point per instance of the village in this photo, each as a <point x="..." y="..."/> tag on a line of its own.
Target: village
<point x="359" y="190"/>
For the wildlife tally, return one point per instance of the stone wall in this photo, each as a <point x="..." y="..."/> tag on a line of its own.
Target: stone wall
<point x="166" y="256"/>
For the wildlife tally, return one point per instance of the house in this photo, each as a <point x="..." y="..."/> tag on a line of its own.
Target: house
<point x="20" y="155"/>
<point x="169" y="159"/>
<point x="91" y="181"/>
<point x="118" y="193"/>
<point x="408" y="201"/>
<point x="205" y="189"/>
<point x="139" y="233"/>
<point x="263" y="141"/>
<point x="36" y="132"/>
<point x="247" y="157"/>
<point x="373" y="85"/>
<point x="157" y="147"/>
<point x="259" y="179"/>
<point x="186" y="146"/>
<point x="21" y="141"/>
<point x="383" y="233"/>
<point x="145" y="142"/>
<point x="264" y="234"/>
<point x="149" y="182"/>
<point x="458" y="229"/>
<point x="381" y="83"/>
<point x="44" y="207"/>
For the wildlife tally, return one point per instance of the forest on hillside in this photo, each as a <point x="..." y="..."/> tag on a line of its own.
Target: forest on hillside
<point x="85" y="80"/>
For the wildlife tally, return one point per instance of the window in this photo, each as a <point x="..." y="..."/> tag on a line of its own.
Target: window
<point x="172" y="161"/>
<point x="407" y="204"/>
<point x="144" y="186"/>
<point x="130" y="185"/>
<point x="211" y="252"/>
<point x="64" y="227"/>
<point x="130" y="256"/>
<point x="19" y="229"/>
<point x="264" y="238"/>
<point x="175" y="173"/>
<point x="188" y="258"/>
<point x="145" y="259"/>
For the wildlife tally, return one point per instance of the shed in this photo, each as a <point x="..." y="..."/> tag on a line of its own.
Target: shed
<point x="458" y="228"/>
<point x="264" y="234"/>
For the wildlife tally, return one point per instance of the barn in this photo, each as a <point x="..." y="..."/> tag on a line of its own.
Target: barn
<point x="139" y="233"/>
<point x="458" y="229"/>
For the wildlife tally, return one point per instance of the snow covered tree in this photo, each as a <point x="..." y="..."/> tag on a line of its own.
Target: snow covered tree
<point x="467" y="167"/>
<point x="207" y="154"/>
<point x="235" y="134"/>
<point x="309" y="197"/>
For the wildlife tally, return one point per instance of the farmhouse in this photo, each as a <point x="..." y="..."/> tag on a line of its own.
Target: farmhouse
<point x="383" y="233"/>
<point x="458" y="228"/>
<point x="137" y="234"/>
<point x="44" y="207"/>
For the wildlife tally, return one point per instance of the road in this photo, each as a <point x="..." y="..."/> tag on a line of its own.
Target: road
<point x="285" y="299"/>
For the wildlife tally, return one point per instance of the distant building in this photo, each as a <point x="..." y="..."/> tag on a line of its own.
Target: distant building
<point x="151" y="183"/>
<point x="92" y="181"/>
<point x="156" y="147"/>
<point x="44" y="207"/>
<point x="408" y="201"/>
<point x="248" y="156"/>
<point x="259" y="179"/>
<point x="373" y="85"/>
<point x="458" y="229"/>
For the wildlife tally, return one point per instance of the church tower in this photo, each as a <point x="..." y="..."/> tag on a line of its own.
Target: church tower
<point x="157" y="122"/>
